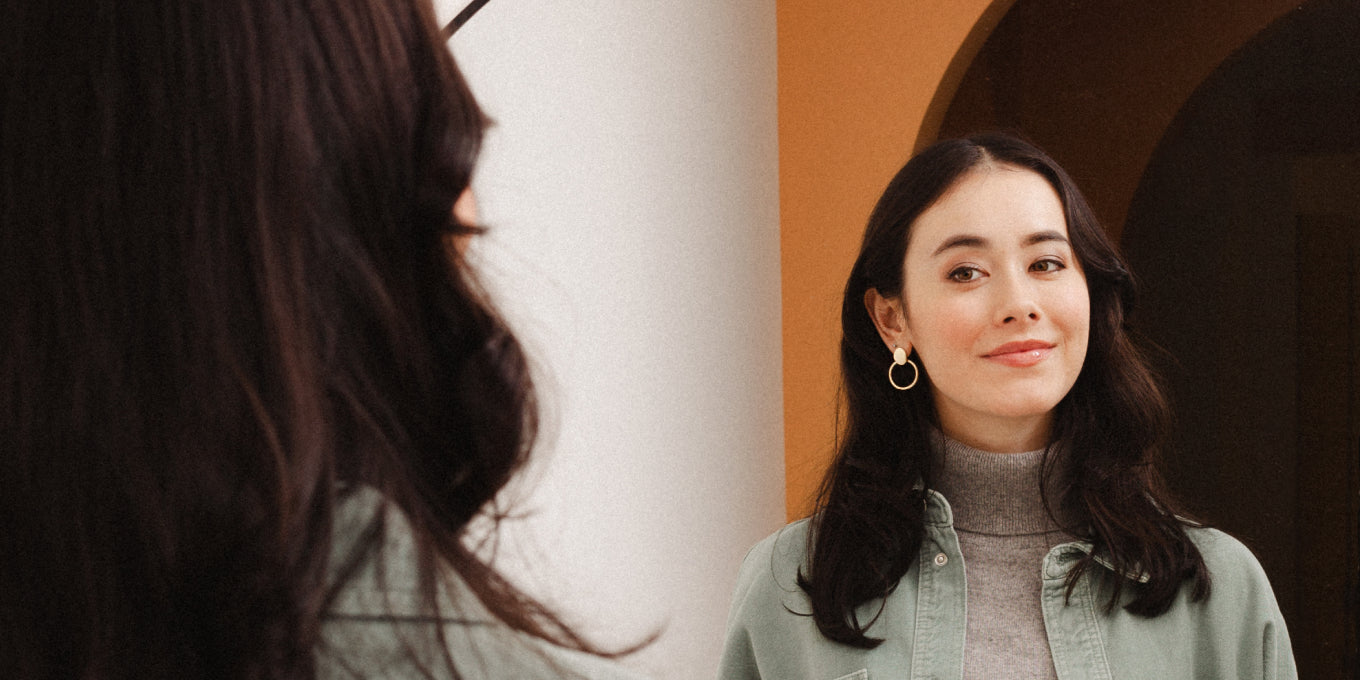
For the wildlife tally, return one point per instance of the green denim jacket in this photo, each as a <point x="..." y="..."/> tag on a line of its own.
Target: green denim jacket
<point x="1237" y="633"/>
<point x="379" y="626"/>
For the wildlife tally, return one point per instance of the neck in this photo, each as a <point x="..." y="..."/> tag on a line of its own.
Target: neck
<point x="991" y="493"/>
<point x="998" y="434"/>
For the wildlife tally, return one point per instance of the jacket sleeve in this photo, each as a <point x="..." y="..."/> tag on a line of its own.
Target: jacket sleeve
<point x="1243" y="606"/>
<point x="770" y="631"/>
<point x="1277" y="655"/>
<point x="739" y="655"/>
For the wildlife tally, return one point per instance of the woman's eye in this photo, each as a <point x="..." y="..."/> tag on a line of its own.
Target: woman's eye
<point x="965" y="274"/>
<point x="1047" y="266"/>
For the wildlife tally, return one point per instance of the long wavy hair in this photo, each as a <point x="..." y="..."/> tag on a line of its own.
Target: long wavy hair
<point x="231" y="296"/>
<point x="1109" y="428"/>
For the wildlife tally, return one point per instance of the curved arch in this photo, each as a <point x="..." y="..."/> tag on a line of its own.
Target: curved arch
<point x="1277" y="109"/>
<point x="957" y="69"/>
<point x="1097" y="85"/>
<point x="1246" y="229"/>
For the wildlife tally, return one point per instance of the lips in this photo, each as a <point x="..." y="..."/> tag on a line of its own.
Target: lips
<point x="1021" y="353"/>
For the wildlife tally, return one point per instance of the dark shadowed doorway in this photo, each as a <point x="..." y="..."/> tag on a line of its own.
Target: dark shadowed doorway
<point x="1220" y="142"/>
<point x="1244" y="230"/>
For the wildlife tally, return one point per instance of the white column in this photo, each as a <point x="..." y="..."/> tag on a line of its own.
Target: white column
<point x="631" y="187"/>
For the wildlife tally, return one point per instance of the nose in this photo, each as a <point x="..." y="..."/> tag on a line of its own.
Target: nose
<point x="1031" y="315"/>
<point x="1016" y="303"/>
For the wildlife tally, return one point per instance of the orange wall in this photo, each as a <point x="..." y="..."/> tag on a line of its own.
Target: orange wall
<point x="856" y="82"/>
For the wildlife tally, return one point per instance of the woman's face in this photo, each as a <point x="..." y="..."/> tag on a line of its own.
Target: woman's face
<point x="996" y="306"/>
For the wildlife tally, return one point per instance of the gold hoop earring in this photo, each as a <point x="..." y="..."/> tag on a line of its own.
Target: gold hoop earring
<point x="900" y="358"/>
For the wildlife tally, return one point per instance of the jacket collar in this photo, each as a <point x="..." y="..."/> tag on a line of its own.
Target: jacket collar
<point x="1058" y="561"/>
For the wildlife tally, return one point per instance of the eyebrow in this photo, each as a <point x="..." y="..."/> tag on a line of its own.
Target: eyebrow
<point x="972" y="241"/>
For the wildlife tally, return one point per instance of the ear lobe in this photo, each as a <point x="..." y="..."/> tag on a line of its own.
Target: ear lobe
<point x="888" y="318"/>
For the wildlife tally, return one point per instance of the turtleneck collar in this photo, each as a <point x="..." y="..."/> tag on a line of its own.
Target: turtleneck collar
<point x="992" y="493"/>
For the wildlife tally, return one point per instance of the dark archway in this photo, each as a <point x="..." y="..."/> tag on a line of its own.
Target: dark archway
<point x="1220" y="141"/>
<point x="1097" y="83"/>
<point x="1245" y="231"/>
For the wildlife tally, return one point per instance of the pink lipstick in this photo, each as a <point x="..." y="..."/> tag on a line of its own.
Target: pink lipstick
<point x="1020" y="354"/>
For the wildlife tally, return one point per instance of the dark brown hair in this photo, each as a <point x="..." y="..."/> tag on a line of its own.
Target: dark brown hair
<point x="1109" y="427"/>
<point x="230" y="297"/>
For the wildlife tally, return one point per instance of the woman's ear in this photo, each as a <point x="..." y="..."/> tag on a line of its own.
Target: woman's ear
<point x="465" y="213"/>
<point x="889" y="319"/>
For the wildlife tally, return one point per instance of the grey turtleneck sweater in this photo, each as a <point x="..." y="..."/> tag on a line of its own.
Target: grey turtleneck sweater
<point x="1004" y="533"/>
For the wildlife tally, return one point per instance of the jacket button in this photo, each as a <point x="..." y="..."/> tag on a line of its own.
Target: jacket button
<point x="941" y="559"/>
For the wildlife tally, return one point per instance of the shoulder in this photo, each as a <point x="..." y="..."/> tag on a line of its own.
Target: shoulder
<point x="380" y="622"/>
<point x="1237" y="632"/>
<point x="398" y="648"/>
<point x="765" y="636"/>
<point x="1233" y="568"/>
<point x="767" y="600"/>
<point x="770" y="569"/>
<point x="787" y="545"/>
<point x="1240" y="592"/>
<point x="372" y="570"/>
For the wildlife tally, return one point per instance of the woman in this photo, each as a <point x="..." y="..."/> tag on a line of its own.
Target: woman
<point x="252" y="395"/>
<point x="992" y="510"/>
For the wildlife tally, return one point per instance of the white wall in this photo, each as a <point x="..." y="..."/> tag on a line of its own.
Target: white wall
<point x="631" y="187"/>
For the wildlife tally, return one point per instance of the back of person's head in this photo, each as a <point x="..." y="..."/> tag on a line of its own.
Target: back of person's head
<point x="230" y="294"/>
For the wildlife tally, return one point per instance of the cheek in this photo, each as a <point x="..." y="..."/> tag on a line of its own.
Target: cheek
<point x="948" y="327"/>
<point x="1073" y="314"/>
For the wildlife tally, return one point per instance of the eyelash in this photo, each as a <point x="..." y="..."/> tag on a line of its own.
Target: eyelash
<point x="1058" y="265"/>
<point x="956" y="275"/>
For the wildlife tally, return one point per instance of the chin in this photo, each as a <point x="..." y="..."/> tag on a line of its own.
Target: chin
<point x="1023" y="408"/>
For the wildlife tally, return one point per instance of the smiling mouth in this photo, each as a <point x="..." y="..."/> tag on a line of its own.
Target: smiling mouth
<point x="1020" y="354"/>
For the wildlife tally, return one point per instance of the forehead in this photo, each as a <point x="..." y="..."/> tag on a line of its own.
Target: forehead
<point x="1000" y="204"/>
